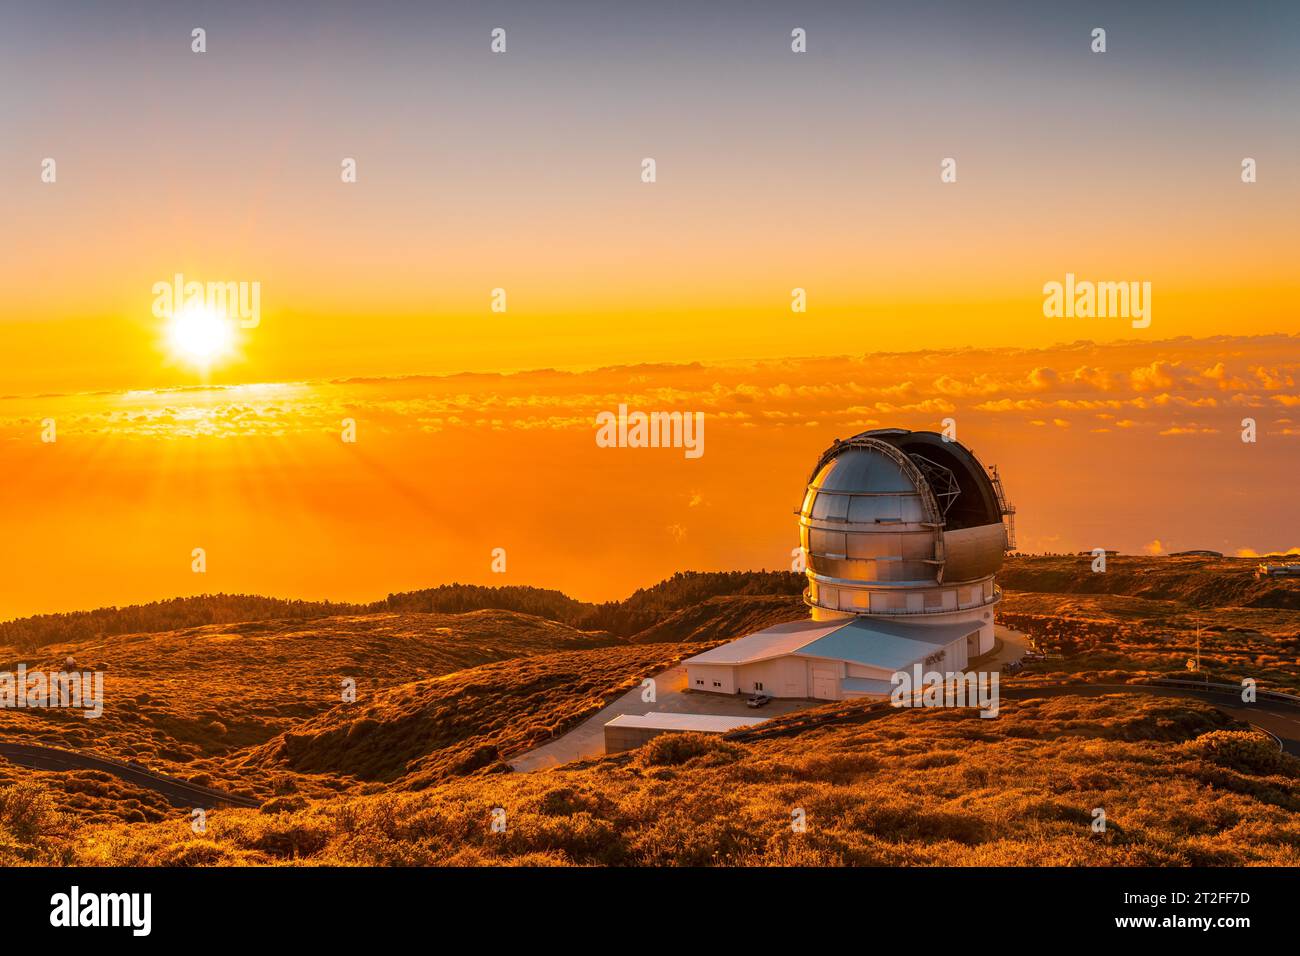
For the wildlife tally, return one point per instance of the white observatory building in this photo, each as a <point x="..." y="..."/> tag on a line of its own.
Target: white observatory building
<point x="901" y="533"/>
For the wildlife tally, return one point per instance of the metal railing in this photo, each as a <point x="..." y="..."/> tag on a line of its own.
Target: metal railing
<point x="1006" y="507"/>
<point x="1233" y="689"/>
<point x="898" y="612"/>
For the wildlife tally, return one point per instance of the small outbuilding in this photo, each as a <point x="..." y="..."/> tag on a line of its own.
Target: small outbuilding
<point x="628" y="731"/>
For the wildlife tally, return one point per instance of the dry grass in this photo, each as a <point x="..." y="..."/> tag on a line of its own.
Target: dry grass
<point x="724" y="618"/>
<point x="1196" y="582"/>
<point x="91" y="796"/>
<point x="461" y="723"/>
<point x="1140" y="618"/>
<point x="191" y="702"/>
<point x="410" y="772"/>
<point x="1179" y="784"/>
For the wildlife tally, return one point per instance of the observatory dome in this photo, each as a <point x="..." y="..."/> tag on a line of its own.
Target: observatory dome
<point x="896" y="522"/>
<point x="901" y="534"/>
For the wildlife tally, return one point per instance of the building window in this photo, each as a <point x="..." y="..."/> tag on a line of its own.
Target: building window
<point x="717" y="683"/>
<point x="700" y="682"/>
<point x="758" y="685"/>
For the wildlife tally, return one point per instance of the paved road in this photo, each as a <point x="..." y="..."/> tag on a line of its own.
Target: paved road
<point x="1008" y="646"/>
<point x="180" y="793"/>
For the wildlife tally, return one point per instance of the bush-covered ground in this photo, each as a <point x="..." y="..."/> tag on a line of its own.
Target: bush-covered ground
<point x="643" y="608"/>
<point x="460" y="723"/>
<point x="410" y="771"/>
<point x="189" y="703"/>
<point x="1178" y="782"/>
<point x="1141" y="616"/>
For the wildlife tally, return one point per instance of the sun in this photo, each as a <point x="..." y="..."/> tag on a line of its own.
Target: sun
<point x="200" y="335"/>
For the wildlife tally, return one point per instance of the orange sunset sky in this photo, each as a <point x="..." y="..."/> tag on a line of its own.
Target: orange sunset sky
<point x="475" y="428"/>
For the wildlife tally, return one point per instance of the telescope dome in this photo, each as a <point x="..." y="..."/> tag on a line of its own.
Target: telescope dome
<point x="898" y="522"/>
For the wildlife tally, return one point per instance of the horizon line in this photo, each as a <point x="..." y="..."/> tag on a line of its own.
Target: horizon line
<point x="579" y="369"/>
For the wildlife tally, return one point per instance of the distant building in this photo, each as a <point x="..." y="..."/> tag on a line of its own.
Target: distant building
<point x="902" y="533"/>
<point x="1277" y="571"/>
<point x="1196" y="553"/>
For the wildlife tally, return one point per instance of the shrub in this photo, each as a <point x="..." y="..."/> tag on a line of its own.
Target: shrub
<point x="292" y="835"/>
<point x="26" y="810"/>
<point x="192" y="853"/>
<point x="1245" y="751"/>
<point x="670" y="750"/>
<point x="286" y="804"/>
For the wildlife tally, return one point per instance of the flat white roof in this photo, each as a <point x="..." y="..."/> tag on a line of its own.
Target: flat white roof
<point x="887" y="644"/>
<point x="702" y="723"/>
<point x="768" y="643"/>
<point x="861" y="640"/>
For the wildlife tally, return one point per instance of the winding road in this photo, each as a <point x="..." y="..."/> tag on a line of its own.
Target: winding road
<point x="180" y="793"/>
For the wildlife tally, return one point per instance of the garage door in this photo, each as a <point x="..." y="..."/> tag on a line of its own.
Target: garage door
<point x="826" y="684"/>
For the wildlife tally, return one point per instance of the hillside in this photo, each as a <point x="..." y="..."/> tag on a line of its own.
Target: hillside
<point x="1142" y="616"/>
<point x="178" y="697"/>
<point x="642" y="609"/>
<point x="30" y="633"/>
<point x="1201" y="582"/>
<point x="408" y="772"/>
<point x="1179" y="783"/>
<point x="460" y="723"/>
<point x="723" y="618"/>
